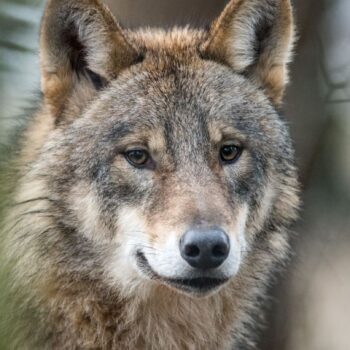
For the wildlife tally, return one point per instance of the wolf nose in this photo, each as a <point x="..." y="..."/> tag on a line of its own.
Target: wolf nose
<point x="205" y="248"/>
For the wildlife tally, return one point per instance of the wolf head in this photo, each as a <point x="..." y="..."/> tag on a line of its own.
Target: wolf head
<point x="166" y="162"/>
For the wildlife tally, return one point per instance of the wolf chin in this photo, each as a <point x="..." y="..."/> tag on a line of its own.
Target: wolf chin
<point x="155" y="184"/>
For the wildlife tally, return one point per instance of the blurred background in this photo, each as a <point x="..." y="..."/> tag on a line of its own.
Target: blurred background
<point x="310" y="303"/>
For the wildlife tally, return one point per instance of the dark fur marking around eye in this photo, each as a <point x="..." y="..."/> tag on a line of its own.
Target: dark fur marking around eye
<point x="139" y="58"/>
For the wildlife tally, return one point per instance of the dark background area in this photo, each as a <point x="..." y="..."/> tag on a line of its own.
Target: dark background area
<point x="310" y="305"/>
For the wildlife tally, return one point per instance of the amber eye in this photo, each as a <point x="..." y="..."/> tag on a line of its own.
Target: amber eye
<point x="230" y="153"/>
<point x="138" y="157"/>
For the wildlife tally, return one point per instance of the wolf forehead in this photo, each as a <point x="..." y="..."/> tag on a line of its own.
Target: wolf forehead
<point x="174" y="86"/>
<point x="173" y="67"/>
<point x="179" y="98"/>
<point x="179" y="105"/>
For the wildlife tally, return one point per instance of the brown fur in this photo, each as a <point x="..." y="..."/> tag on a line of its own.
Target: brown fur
<point x="63" y="241"/>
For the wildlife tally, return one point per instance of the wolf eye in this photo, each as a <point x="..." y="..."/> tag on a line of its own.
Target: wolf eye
<point x="138" y="157"/>
<point x="230" y="153"/>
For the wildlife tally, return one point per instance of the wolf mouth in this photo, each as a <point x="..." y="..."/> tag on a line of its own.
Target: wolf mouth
<point x="197" y="285"/>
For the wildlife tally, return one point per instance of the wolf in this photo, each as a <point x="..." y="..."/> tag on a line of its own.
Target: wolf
<point x="155" y="185"/>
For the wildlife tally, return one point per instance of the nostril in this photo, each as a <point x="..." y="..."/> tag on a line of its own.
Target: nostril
<point x="191" y="250"/>
<point x="220" y="250"/>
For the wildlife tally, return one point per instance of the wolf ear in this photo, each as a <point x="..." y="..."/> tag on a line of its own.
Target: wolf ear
<point x="255" y="38"/>
<point x="80" y="41"/>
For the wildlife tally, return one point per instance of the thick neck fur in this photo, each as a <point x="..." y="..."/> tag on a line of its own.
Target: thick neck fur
<point x="92" y="319"/>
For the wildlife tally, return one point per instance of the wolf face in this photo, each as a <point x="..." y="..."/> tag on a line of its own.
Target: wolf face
<point x="167" y="156"/>
<point x="163" y="157"/>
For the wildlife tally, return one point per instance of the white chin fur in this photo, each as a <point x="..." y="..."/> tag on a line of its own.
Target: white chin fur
<point x="165" y="261"/>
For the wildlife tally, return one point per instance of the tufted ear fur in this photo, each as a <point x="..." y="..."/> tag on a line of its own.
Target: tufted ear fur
<point x="80" y="44"/>
<point x="255" y="38"/>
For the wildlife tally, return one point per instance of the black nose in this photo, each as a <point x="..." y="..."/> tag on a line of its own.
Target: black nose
<point x="205" y="248"/>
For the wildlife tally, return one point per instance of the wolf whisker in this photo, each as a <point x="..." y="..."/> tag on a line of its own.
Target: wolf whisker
<point x="32" y="200"/>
